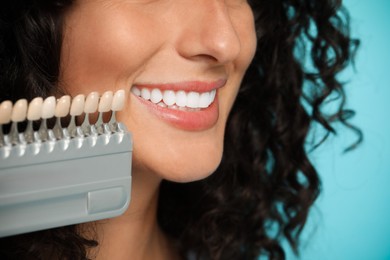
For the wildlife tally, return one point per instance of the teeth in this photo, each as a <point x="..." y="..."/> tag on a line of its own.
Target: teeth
<point x="193" y="100"/>
<point x="204" y="100"/>
<point x="145" y="93"/>
<point x="169" y="97"/>
<point x="181" y="98"/>
<point x="212" y="95"/>
<point x="156" y="96"/>
<point x="177" y="100"/>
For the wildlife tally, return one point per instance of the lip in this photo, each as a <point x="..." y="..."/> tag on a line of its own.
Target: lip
<point x="198" y="120"/>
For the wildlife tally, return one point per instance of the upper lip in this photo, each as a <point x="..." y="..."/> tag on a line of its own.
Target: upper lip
<point x="196" y="86"/>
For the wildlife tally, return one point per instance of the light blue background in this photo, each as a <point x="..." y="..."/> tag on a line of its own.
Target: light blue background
<point x="351" y="219"/>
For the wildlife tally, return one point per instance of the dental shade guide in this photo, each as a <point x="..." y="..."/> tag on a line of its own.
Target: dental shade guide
<point x="64" y="175"/>
<point x="5" y="118"/>
<point x="34" y="113"/>
<point x="18" y="115"/>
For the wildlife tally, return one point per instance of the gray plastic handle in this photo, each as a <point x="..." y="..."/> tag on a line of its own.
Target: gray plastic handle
<point x="52" y="184"/>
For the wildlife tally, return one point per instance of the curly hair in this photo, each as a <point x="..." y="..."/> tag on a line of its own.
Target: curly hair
<point x="264" y="188"/>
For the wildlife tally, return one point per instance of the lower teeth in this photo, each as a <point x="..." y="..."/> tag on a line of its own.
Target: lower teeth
<point x="162" y="104"/>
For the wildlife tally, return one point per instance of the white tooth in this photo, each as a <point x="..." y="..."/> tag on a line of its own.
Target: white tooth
<point x="193" y="100"/>
<point x="181" y="98"/>
<point x="136" y="91"/>
<point x="48" y="107"/>
<point x="212" y="95"/>
<point x="204" y="100"/>
<point x="105" y="102"/>
<point x="118" y="101"/>
<point x="63" y="106"/>
<point x="5" y="112"/>
<point x="169" y="97"/>
<point x="77" y="107"/>
<point x="35" y="109"/>
<point x="145" y="93"/>
<point x="156" y="96"/>
<point x="162" y="104"/>
<point x="19" y="111"/>
<point x="91" y="103"/>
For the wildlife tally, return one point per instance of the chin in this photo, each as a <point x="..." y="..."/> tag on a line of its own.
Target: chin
<point x="192" y="170"/>
<point x="180" y="164"/>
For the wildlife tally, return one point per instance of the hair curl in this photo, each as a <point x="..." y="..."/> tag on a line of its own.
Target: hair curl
<point x="265" y="185"/>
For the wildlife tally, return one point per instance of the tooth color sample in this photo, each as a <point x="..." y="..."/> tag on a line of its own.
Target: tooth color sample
<point x="118" y="101"/>
<point x="49" y="107"/>
<point x="5" y="112"/>
<point x="77" y="107"/>
<point x="19" y="111"/>
<point x="63" y="106"/>
<point x="35" y="109"/>
<point x="91" y="103"/>
<point x="106" y="101"/>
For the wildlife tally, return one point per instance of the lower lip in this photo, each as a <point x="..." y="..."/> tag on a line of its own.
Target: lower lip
<point x="198" y="120"/>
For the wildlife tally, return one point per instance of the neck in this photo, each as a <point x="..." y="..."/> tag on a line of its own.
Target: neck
<point x="135" y="234"/>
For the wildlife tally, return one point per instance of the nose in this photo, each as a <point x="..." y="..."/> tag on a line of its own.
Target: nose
<point x="207" y="31"/>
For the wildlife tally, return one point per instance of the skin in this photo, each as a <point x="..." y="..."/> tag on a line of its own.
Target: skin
<point x="116" y="44"/>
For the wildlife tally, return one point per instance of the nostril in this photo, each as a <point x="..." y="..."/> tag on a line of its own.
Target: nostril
<point x="205" y="57"/>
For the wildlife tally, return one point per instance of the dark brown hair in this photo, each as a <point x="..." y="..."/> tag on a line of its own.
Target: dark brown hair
<point x="263" y="189"/>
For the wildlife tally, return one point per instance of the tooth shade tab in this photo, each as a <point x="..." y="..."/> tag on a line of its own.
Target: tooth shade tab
<point x="105" y="102"/>
<point x="118" y="101"/>
<point x="35" y="109"/>
<point x="19" y="111"/>
<point x="63" y="106"/>
<point x="77" y="106"/>
<point x="176" y="99"/>
<point x="48" y="107"/>
<point x="91" y="103"/>
<point x="5" y="112"/>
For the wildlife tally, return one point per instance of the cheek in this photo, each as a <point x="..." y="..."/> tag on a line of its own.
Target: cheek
<point x="100" y="43"/>
<point x="246" y="31"/>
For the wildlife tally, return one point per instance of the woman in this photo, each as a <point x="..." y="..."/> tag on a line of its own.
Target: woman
<point x="227" y="180"/>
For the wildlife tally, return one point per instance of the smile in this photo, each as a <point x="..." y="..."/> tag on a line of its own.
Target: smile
<point x="176" y="99"/>
<point x="191" y="106"/>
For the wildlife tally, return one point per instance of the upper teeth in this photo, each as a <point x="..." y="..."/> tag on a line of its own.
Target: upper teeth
<point x="179" y="98"/>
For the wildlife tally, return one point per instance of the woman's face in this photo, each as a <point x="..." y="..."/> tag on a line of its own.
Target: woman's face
<point x="183" y="49"/>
